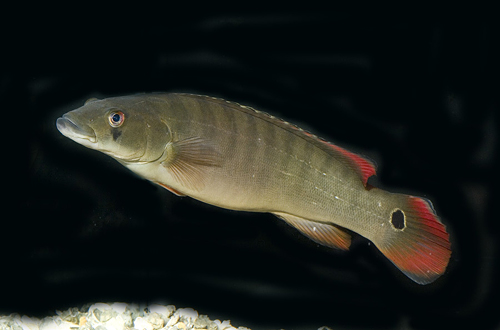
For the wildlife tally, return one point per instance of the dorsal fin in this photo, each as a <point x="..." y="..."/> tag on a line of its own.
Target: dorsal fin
<point x="364" y="167"/>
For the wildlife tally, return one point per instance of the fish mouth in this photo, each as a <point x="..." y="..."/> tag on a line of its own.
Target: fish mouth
<point x="82" y="134"/>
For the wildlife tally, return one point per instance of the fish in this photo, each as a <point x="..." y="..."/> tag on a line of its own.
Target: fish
<point x="235" y="157"/>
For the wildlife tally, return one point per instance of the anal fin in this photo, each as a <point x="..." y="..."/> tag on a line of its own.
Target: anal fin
<point x="324" y="234"/>
<point x="172" y="190"/>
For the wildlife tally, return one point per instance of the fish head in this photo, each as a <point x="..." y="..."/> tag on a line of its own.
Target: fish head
<point x="125" y="128"/>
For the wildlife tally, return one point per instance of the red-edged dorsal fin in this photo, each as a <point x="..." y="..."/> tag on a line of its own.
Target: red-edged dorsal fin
<point x="364" y="167"/>
<point x="360" y="165"/>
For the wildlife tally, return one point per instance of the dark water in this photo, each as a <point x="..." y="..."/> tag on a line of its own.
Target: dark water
<point x="416" y="92"/>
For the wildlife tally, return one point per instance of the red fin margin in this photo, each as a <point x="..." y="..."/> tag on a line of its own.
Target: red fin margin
<point x="172" y="190"/>
<point x="422" y="250"/>
<point x="365" y="167"/>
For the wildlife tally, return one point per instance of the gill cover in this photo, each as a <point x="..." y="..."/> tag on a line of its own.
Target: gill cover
<point x="119" y="128"/>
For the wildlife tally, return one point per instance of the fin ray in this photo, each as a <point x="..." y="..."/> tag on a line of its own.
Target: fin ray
<point x="172" y="190"/>
<point x="324" y="234"/>
<point x="191" y="157"/>
<point x="422" y="249"/>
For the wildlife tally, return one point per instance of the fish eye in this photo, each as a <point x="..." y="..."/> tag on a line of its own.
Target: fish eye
<point x="116" y="118"/>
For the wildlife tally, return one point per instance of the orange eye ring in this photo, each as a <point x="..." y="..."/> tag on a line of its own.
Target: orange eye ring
<point x="116" y="118"/>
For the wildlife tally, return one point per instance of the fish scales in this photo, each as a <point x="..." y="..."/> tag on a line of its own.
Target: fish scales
<point x="235" y="157"/>
<point x="297" y="179"/>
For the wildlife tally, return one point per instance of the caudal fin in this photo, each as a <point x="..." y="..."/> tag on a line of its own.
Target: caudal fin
<point x="417" y="242"/>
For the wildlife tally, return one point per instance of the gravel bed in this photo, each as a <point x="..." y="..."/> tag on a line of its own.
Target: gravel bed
<point x="118" y="316"/>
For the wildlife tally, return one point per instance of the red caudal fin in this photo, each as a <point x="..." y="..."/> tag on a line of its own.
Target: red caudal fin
<point x="416" y="241"/>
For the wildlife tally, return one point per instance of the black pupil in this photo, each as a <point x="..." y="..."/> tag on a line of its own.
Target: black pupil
<point x="398" y="219"/>
<point x="116" y="118"/>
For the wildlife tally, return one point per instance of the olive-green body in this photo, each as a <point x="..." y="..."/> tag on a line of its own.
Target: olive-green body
<point x="267" y="165"/>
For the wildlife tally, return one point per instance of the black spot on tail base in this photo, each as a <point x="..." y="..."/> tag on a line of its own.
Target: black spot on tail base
<point x="398" y="220"/>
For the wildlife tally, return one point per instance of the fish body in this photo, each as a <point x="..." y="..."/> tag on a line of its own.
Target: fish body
<point x="235" y="157"/>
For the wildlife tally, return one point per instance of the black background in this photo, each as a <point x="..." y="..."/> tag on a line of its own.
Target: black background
<point x="414" y="89"/>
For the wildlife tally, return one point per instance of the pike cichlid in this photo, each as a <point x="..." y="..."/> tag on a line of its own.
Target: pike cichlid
<point x="238" y="158"/>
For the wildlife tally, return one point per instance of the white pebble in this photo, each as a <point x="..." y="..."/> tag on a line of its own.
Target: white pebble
<point x="101" y="306"/>
<point x="48" y="323"/>
<point x="226" y="325"/>
<point x="141" y="324"/>
<point x="116" y="323"/>
<point x="119" y="307"/>
<point x="173" y="320"/>
<point x="28" y="323"/>
<point x="166" y="311"/>
<point x="188" y="313"/>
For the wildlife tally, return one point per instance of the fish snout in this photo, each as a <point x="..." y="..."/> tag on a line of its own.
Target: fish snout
<point x="82" y="134"/>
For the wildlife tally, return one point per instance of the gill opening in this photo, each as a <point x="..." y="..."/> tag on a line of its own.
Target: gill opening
<point x="163" y="155"/>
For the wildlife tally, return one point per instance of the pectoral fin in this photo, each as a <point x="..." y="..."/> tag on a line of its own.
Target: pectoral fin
<point x="325" y="234"/>
<point x="189" y="160"/>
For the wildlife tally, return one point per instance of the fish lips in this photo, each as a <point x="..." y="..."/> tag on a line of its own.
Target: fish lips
<point x="82" y="134"/>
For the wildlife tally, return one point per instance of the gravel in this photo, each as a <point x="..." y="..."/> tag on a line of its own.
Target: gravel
<point x="118" y="316"/>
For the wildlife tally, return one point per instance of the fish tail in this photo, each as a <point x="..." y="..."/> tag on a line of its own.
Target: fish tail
<point x="416" y="241"/>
